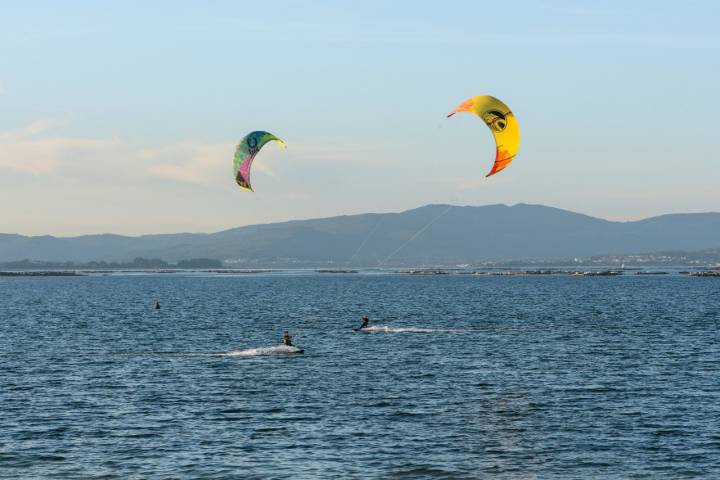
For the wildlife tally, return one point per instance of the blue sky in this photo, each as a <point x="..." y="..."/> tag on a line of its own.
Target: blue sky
<point x="122" y="116"/>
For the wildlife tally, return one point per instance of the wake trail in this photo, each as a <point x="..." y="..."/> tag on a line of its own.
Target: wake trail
<point x="387" y="329"/>
<point x="277" y="350"/>
<point x="263" y="351"/>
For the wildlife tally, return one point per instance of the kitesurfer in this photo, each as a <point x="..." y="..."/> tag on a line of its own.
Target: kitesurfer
<point x="287" y="339"/>
<point x="365" y="321"/>
<point x="157" y="305"/>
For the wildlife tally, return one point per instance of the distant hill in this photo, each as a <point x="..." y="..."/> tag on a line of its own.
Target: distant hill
<point x="433" y="234"/>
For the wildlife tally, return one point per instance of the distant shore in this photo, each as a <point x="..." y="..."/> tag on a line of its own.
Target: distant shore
<point x="502" y="272"/>
<point x="585" y="273"/>
<point x="34" y="273"/>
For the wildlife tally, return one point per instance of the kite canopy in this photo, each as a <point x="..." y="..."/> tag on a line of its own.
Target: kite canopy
<point x="245" y="152"/>
<point x="501" y="122"/>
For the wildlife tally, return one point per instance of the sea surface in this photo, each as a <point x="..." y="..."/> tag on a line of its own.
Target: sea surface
<point x="523" y="377"/>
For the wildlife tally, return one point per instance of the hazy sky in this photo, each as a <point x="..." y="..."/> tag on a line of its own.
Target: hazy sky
<point x="122" y="116"/>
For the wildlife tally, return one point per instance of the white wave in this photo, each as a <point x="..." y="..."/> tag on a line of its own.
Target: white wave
<point x="264" y="351"/>
<point x="386" y="329"/>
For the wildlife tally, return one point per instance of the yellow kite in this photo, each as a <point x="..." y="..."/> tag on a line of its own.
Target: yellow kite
<point x="501" y="122"/>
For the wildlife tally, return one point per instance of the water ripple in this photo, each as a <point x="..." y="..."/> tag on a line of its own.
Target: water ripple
<point x="459" y="377"/>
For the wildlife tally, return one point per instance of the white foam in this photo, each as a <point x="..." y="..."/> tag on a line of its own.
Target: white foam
<point x="386" y="329"/>
<point x="264" y="351"/>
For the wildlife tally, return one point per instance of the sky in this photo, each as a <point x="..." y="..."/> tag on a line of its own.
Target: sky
<point x="122" y="117"/>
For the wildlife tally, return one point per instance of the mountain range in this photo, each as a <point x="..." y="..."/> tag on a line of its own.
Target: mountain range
<point x="433" y="234"/>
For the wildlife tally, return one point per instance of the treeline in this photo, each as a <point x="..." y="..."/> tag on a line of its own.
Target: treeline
<point x="138" y="263"/>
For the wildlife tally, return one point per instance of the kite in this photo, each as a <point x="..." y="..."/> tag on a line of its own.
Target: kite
<point x="501" y="122"/>
<point x="245" y="152"/>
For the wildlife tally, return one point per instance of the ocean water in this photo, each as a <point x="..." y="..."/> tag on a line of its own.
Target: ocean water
<point x="536" y="377"/>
